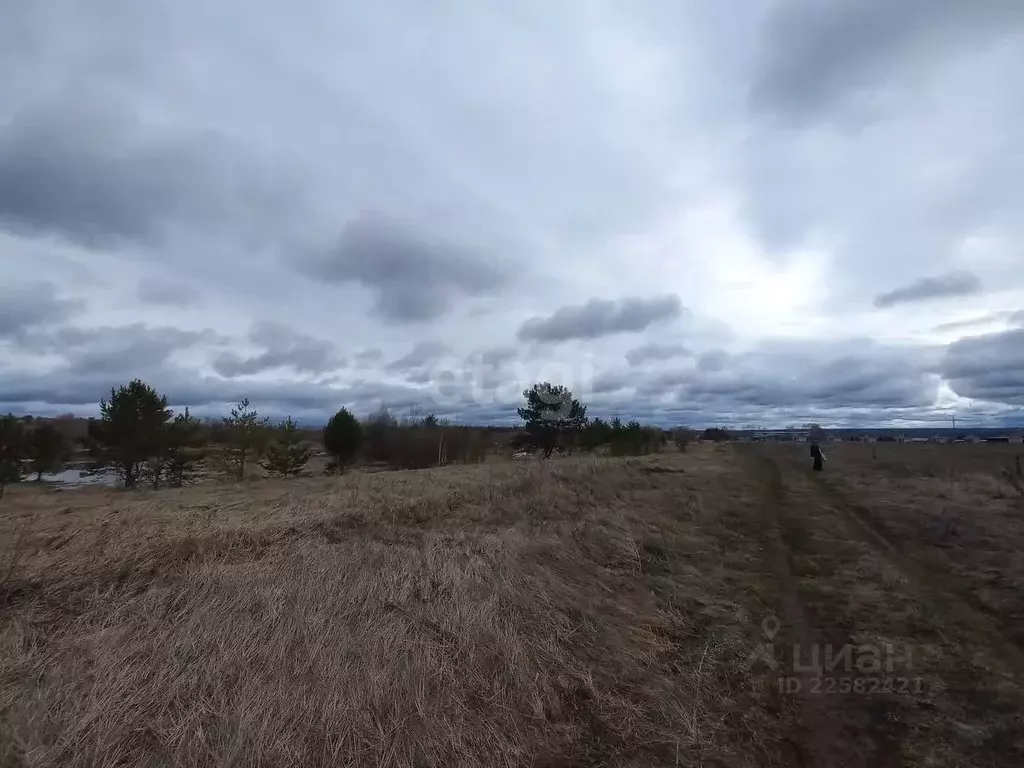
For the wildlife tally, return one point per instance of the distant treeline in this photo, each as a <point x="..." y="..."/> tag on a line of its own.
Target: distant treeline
<point x="141" y="439"/>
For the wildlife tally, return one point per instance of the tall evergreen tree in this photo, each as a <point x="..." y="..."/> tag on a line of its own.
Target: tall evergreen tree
<point x="343" y="436"/>
<point x="551" y="411"/>
<point x="130" y="430"/>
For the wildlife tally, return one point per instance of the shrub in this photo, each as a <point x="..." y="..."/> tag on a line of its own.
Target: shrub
<point x="682" y="437"/>
<point x="246" y="435"/>
<point x="717" y="434"/>
<point x="182" y="448"/>
<point x="286" y="454"/>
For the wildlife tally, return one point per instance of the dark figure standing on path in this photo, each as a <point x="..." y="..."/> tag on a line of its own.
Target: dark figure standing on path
<point x="818" y="456"/>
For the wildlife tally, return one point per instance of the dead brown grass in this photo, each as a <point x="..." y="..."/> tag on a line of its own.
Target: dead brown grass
<point x="576" y="612"/>
<point x="954" y="509"/>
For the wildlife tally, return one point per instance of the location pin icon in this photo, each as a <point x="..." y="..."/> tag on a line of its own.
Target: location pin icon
<point x="770" y="626"/>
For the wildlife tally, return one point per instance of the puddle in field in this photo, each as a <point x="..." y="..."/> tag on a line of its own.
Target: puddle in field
<point x="73" y="478"/>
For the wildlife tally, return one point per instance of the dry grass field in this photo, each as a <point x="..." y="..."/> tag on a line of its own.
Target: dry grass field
<point x="576" y="612"/>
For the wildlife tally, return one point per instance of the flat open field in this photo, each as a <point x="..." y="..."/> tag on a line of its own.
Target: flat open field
<point x="723" y="607"/>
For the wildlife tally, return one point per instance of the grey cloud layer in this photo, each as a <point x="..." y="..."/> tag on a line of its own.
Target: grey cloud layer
<point x="165" y="292"/>
<point x="422" y="354"/>
<point x="939" y="287"/>
<point x="102" y="349"/>
<point x="601" y="317"/>
<point x="283" y="348"/>
<point x="816" y="53"/>
<point x="989" y="367"/>
<point x="414" y="277"/>
<point x="92" y="173"/>
<point x="23" y="307"/>
<point x="227" y="165"/>
<point x="849" y="381"/>
<point x="656" y="351"/>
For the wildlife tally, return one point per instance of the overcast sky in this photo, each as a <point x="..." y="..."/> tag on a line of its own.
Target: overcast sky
<point x="745" y="212"/>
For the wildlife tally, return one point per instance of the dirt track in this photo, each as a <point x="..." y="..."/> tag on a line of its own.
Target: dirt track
<point x="952" y="694"/>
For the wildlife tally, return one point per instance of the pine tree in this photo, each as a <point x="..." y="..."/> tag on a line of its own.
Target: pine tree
<point x="286" y="455"/>
<point x="246" y="434"/>
<point x="551" y="411"/>
<point x="130" y="430"/>
<point x="343" y="436"/>
<point x="46" y="450"/>
<point x="183" y="447"/>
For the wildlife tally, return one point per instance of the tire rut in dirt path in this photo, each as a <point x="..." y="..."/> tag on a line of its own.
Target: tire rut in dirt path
<point x="831" y="730"/>
<point x="942" y="594"/>
<point x="858" y="584"/>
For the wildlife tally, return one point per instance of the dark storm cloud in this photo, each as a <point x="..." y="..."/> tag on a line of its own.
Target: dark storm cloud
<point x="25" y="307"/>
<point x="283" y="348"/>
<point x="89" y="172"/>
<point x="602" y="317"/>
<point x="656" y="351"/>
<point x="414" y="276"/>
<point x="944" y="286"/>
<point x="165" y="292"/>
<point x="989" y="367"/>
<point x="815" y="53"/>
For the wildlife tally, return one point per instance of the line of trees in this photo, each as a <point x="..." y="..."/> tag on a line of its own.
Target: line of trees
<point x="554" y="419"/>
<point x="143" y="441"/>
<point x="140" y="438"/>
<point x="29" y="449"/>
